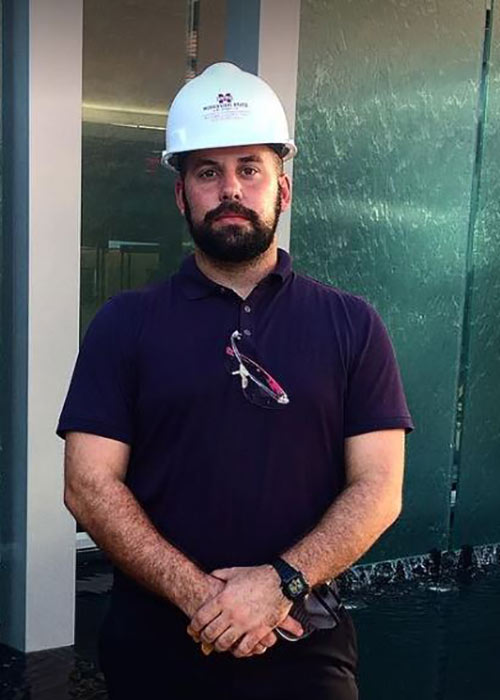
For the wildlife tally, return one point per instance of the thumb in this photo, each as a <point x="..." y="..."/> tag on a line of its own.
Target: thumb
<point x="223" y="574"/>
<point x="291" y="625"/>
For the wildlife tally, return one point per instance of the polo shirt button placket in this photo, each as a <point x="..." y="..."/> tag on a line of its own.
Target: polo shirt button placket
<point x="246" y="320"/>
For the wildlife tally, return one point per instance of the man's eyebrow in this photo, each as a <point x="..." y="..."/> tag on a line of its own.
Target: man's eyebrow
<point x="203" y="162"/>
<point x="250" y="159"/>
<point x="199" y="162"/>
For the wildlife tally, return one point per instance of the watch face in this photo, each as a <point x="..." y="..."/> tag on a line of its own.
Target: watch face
<point x="297" y="586"/>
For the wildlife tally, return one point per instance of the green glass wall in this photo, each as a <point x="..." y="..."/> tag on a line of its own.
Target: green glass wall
<point x="477" y="518"/>
<point x="386" y="129"/>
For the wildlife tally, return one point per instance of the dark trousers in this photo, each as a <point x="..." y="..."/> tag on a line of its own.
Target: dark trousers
<point x="145" y="654"/>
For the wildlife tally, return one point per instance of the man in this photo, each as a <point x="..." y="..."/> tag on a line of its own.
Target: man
<point x="235" y="434"/>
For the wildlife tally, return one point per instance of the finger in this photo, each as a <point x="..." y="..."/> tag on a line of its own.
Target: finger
<point x="249" y="641"/>
<point x="291" y="625"/>
<point x="192" y="634"/>
<point x="269" y="640"/>
<point x="206" y="648"/>
<point x="205" y="615"/>
<point x="226" y="640"/>
<point x="213" y="630"/>
<point x="259" y="649"/>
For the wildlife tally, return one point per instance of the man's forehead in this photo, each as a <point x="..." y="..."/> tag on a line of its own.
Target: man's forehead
<point x="245" y="154"/>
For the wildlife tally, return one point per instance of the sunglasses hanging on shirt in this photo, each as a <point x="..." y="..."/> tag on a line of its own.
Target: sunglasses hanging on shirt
<point x="258" y="386"/>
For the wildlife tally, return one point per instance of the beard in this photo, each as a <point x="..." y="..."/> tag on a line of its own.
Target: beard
<point x="234" y="243"/>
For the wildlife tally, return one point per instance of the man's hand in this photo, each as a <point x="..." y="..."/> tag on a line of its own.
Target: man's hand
<point x="201" y="593"/>
<point x="244" y="614"/>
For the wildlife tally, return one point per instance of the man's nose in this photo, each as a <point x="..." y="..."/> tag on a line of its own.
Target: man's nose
<point x="230" y="187"/>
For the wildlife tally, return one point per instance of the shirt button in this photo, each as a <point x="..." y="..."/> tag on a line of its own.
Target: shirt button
<point x="247" y="332"/>
<point x="222" y="290"/>
<point x="247" y="309"/>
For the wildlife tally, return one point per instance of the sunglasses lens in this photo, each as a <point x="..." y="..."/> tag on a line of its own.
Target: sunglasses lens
<point x="256" y="394"/>
<point x="254" y="391"/>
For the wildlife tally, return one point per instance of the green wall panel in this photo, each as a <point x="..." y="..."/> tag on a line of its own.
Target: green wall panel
<point x="477" y="518"/>
<point x="387" y="94"/>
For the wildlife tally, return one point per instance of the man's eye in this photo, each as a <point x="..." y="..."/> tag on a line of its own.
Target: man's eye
<point x="207" y="174"/>
<point x="248" y="170"/>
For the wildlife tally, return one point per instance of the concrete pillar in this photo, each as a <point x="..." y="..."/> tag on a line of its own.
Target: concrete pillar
<point x="40" y="297"/>
<point x="278" y="64"/>
<point x="262" y="36"/>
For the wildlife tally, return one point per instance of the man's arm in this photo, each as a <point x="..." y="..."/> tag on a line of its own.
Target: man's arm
<point x="369" y="504"/>
<point x="95" y="469"/>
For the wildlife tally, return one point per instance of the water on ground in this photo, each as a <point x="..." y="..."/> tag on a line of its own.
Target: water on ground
<point x="432" y="637"/>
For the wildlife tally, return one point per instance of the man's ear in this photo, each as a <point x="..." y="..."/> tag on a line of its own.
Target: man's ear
<point x="179" y="195"/>
<point x="286" y="191"/>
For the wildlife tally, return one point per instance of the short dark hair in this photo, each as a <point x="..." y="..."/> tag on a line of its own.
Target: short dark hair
<point x="277" y="150"/>
<point x="181" y="164"/>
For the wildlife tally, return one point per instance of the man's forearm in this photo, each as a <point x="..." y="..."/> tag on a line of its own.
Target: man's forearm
<point x="117" y="523"/>
<point x="348" y="529"/>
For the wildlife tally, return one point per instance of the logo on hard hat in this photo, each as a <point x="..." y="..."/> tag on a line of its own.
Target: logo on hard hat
<point x="224" y="99"/>
<point x="225" y="107"/>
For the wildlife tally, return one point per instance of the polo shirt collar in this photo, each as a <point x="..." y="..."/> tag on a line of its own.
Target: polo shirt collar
<point x="196" y="285"/>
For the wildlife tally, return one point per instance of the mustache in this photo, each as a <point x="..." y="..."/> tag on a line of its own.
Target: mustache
<point x="231" y="208"/>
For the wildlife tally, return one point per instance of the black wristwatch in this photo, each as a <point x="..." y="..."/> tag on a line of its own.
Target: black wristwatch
<point x="293" y="583"/>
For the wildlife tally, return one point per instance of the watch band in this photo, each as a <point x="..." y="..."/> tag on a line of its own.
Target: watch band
<point x="285" y="570"/>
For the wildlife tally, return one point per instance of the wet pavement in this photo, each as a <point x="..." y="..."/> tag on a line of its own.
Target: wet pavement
<point x="428" y="634"/>
<point x="69" y="672"/>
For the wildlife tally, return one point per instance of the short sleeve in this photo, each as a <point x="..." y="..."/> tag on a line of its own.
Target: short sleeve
<point x="375" y="398"/>
<point x="101" y="393"/>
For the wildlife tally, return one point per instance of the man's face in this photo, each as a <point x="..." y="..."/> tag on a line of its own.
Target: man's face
<point x="232" y="199"/>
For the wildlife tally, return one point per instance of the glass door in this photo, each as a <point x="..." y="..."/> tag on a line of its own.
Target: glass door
<point x="136" y="55"/>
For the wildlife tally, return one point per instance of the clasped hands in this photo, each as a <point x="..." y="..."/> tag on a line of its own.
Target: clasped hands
<point x="241" y="617"/>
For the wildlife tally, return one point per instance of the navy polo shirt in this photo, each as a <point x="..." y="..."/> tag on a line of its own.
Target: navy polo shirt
<point x="228" y="482"/>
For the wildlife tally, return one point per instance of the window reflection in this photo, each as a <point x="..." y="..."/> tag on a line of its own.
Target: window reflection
<point x="136" y="55"/>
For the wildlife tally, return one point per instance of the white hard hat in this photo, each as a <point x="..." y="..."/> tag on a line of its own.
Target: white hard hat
<point x="225" y="106"/>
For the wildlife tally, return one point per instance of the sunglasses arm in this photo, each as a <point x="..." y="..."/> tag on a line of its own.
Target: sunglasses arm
<point x="244" y="374"/>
